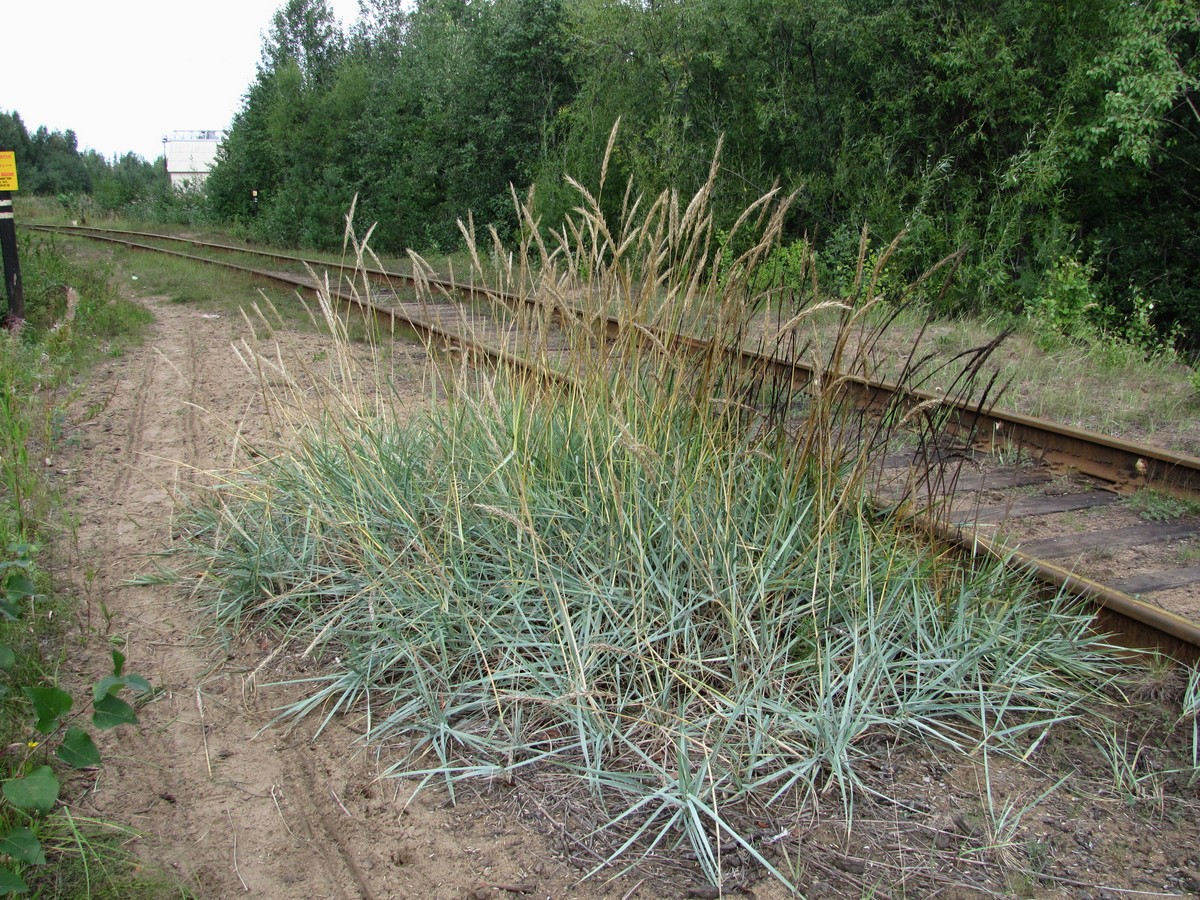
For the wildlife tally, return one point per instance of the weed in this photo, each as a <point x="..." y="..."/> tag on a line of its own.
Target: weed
<point x="43" y="846"/>
<point x="31" y="792"/>
<point x="1010" y="455"/>
<point x="1189" y="715"/>
<point x="1130" y="777"/>
<point x="1067" y="305"/>
<point x="1159" y="506"/>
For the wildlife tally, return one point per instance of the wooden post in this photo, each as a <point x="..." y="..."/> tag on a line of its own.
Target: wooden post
<point x="12" y="265"/>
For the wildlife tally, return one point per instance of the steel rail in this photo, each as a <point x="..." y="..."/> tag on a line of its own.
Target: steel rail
<point x="426" y="328"/>
<point x="1123" y="465"/>
<point x="1140" y="624"/>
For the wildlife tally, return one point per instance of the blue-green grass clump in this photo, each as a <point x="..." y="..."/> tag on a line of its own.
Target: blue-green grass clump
<point x="662" y="578"/>
<point x="637" y="592"/>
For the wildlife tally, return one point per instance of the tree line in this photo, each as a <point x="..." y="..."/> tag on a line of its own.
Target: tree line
<point x="51" y="163"/>
<point x="1056" y="142"/>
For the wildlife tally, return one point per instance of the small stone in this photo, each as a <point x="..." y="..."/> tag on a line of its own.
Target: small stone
<point x="851" y="864"/>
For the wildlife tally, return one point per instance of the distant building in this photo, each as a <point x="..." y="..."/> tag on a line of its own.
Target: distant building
<point x="190" y="155"/>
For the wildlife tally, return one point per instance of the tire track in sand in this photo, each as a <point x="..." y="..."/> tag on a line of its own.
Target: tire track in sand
<point x="198" y="779"/>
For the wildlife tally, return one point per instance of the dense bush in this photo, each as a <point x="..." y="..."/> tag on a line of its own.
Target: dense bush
<point x="87" y="183"/>
<point x="1027" y="132"/>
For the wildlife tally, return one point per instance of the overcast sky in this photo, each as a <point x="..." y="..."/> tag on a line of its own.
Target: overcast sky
<point x="126" y="73"/>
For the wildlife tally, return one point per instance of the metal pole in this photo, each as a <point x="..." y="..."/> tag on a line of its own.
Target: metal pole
<point x="12" y="265"/>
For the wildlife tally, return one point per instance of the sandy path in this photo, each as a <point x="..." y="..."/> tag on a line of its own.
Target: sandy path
<point x="233" y="805"/>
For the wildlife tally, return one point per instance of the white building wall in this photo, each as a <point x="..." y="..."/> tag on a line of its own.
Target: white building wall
<point x="190" y="156"/>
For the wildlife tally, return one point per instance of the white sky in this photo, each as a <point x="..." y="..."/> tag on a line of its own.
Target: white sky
<point x="125" y="73"/>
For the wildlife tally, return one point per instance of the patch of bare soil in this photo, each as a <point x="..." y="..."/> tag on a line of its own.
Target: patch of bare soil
<point x="235" y="805"/>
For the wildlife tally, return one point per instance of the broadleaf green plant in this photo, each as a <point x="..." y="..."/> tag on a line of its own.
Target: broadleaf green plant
<point x="33" y="791"/>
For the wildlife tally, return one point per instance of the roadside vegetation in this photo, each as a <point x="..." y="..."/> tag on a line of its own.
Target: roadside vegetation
<point x="1055" y="145"/>
<point x="86" y="185"/>
<point x="676" y="606"/>
<point x="47" y="725"/>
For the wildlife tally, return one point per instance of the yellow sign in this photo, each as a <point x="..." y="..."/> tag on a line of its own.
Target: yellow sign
<point x="8" y="170"/>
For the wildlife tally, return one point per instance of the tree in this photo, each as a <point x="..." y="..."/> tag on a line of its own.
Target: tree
<point x="48" y="161"/>
<point x="285" y="141"/>
<point x="305" y="32"/>
<point x="13" y="136"/>
<point x="1027" y="132"/>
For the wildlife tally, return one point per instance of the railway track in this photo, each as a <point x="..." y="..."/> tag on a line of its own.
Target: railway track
<point x="1051" y="499"/>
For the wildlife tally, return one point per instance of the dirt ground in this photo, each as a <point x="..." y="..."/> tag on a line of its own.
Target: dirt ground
<point x="237" y="806"/>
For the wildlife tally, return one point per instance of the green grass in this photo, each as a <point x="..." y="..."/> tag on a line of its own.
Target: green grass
<point x="680" y="601"/>
<point x="63" y="333"/>
<point x="209" y="288"/>
<point x="217" y="291"/>
<point x="1157" y="506"/>
<point x="101" y="317"/>
<point x="1104" y="385"/>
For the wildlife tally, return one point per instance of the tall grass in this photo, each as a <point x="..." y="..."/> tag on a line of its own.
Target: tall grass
<point x="72" y="314"/>
<point x="664" y="581"/>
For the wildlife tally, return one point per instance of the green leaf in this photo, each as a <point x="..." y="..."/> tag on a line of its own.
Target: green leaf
<point x="22" y="845"/>
<point x="9" y="610"/>
<point x="112" y="684"/>
<point x="11" y="883"/>
<point x="18" y="586"/>
<point x="137" y="683"/>
<point x="109" y="684"/>
<point x="112" y="711"/>
<point x="38" y="790"/>
<point x="7" y="657"/>
<point x="78" y="750"/>
<point x="50" y="704"/>
<point x="118" y="662"/>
